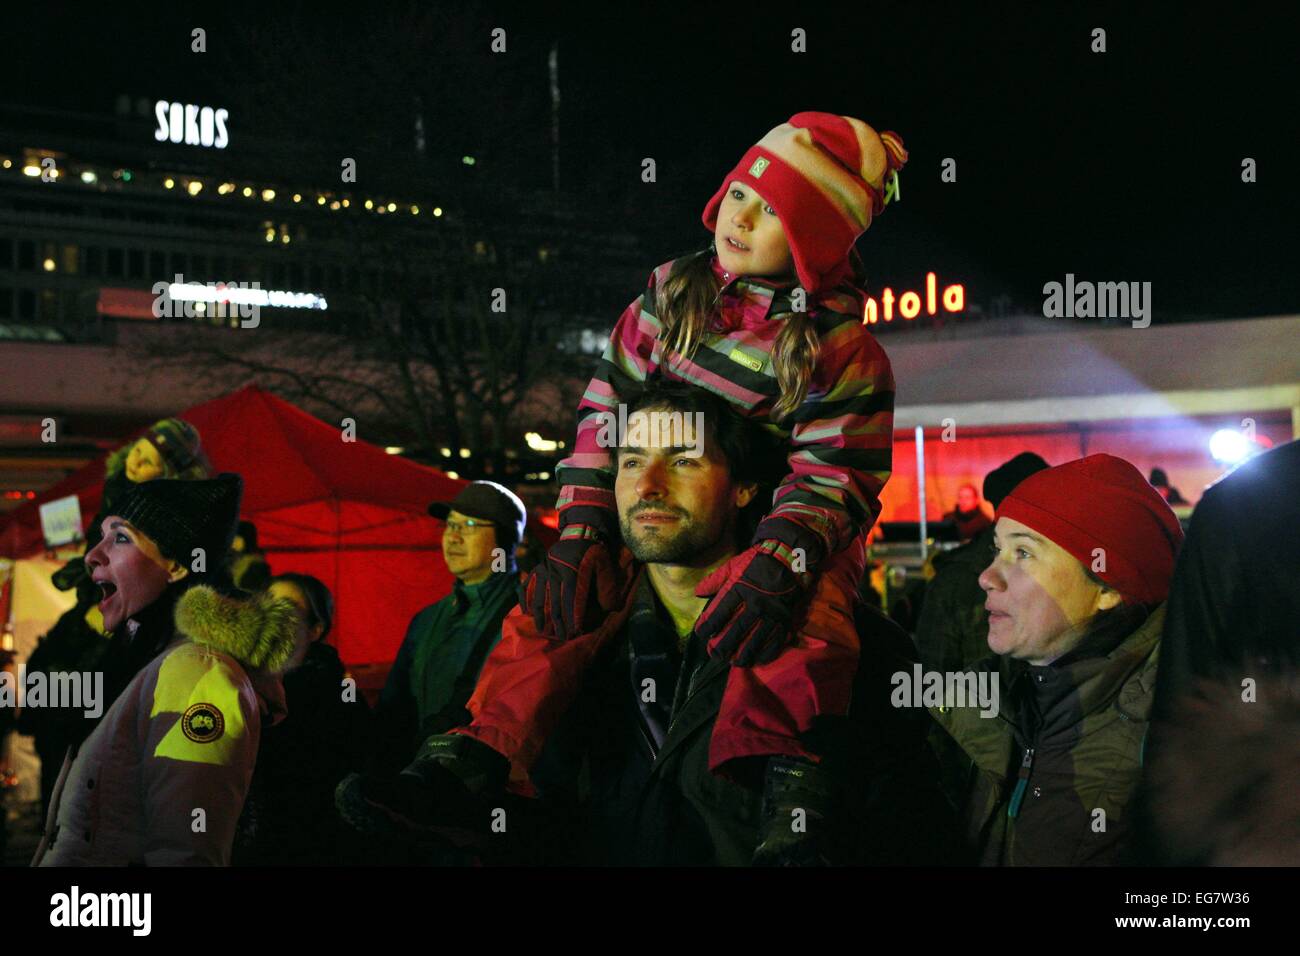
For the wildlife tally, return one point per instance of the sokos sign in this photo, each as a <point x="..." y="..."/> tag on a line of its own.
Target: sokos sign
<point x="190" y="124"/>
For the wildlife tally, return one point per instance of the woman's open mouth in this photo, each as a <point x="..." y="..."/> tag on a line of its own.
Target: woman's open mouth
<point x="107" y="589"/>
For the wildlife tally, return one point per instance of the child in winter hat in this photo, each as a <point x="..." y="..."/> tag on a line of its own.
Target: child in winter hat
<point x="769" y="317"/>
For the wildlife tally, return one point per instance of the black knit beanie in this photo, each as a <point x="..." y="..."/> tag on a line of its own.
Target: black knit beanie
<point x="180" y="516"/>
<point x="1001" y="481"/>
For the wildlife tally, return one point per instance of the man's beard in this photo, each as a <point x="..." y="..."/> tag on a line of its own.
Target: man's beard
<point x="686" y="545"/>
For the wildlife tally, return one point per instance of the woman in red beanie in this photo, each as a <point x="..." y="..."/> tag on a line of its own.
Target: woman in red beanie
<point x="1083" y="557"/>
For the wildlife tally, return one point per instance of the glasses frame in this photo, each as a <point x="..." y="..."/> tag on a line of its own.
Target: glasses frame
<point x="470" y="524"/>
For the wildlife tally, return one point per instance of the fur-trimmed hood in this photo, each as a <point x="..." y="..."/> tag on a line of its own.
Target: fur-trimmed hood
<point x="259" y="631"/>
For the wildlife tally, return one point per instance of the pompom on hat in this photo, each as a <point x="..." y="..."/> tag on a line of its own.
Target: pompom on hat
<point x="826" y="176"/>
<point x="1103" y="502"/>
<point x="179" y="445"/>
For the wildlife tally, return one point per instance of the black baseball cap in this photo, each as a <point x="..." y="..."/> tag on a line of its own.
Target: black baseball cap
<point x="491" y="502"/>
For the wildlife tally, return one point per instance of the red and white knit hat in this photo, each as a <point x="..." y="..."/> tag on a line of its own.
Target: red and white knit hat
<point x="826" y="176"/>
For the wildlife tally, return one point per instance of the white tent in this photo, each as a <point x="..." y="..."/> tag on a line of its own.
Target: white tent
<point x="1152" y="396"/>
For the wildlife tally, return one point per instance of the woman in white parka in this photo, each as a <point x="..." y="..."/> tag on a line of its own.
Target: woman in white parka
<point x="191" y="676"/>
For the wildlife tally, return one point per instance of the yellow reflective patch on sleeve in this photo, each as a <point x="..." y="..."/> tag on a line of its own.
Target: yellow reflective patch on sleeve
<point x="203" y="694"/>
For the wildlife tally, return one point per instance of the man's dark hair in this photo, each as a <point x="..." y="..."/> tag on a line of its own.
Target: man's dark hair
<point x="752" y="454"/>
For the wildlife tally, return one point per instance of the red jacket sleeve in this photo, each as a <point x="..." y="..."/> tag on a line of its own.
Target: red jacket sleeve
<point x="529" y="682"/>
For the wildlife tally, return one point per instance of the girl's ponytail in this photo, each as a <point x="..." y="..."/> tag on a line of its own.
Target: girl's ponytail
<point x="685" y="302"/>
<point x="793" y="358"/>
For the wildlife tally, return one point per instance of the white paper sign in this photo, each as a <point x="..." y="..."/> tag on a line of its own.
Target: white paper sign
<point x="61" y="521"/>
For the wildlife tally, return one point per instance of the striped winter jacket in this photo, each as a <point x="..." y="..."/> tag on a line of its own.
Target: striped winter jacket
<point x="840" y="438"/>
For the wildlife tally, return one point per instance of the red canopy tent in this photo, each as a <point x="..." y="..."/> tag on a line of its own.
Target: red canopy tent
<point x="343" y="511"/>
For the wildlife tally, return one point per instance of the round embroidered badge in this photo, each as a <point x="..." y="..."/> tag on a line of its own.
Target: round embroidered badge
<point x="203" y="723"/>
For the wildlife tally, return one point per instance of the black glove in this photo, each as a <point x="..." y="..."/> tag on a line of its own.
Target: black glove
<point x="445" y="793"/>
<point x="751" y="615"/>
<point x="757" y="594"/>
<point x="559" y="591"/>
<point x="798" y="799"/>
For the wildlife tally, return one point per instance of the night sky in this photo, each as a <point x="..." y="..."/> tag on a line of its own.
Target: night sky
<point x="1124" y="165"/>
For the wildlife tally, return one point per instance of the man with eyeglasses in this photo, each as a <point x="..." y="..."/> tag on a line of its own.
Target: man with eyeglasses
<point x="447" y="642"/>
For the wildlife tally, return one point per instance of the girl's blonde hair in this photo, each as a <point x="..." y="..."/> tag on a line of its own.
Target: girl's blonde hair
<point x="685" y="303"/>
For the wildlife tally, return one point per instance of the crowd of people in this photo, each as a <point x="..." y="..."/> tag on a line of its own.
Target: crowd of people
<point x="1117" y="656"/>
<point x="689" y="674"/>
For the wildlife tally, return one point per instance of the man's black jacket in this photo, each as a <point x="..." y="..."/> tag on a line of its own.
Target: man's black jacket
<point x="613" y="794"/>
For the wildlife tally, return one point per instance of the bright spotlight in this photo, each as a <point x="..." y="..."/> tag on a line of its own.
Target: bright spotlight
<point x="1229" y="446"/>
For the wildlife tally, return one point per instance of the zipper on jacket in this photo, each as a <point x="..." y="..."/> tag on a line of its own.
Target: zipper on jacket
<point x="680" y="699"/>
<point x="1022" y="782"/>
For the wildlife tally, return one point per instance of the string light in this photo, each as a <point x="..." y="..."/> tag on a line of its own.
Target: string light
<point x="195" y="186"/>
